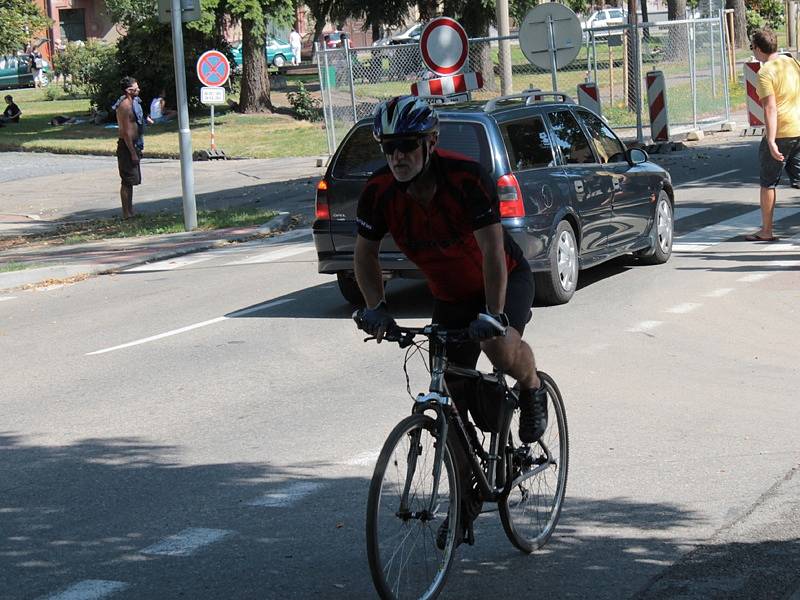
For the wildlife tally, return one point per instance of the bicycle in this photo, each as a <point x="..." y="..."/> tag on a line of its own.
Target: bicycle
<point x="415" y="484"/>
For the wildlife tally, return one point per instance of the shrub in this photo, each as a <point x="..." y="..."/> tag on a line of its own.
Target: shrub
<point x="85" y="66"/>
<point x="304" y="104"/>
<point x="754" y="22"/>
<point x="51" y="92"/>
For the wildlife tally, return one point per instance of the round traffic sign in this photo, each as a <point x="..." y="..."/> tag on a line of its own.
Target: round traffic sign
<point x="213" y="68"/>
<point x="444" y="46"/>
<point x="534" y="35"/>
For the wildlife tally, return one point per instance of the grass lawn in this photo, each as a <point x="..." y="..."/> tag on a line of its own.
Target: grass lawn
<point x="140" y="225"/>
<point x="251" y="136"/>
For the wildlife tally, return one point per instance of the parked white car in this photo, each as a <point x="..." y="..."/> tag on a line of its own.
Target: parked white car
<point x="608" y="17"/>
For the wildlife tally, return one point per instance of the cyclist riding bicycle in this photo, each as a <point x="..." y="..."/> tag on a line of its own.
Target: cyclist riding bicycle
<point x="443" y="212"/>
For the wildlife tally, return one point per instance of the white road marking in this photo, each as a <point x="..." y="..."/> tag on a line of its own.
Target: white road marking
<point x="682" y="212"/>
<point x="88" y="589"/>
<point x="186" y="542"/>
<point x="286" y="496"/>
<point x="7" y="298"/>
<point x="684" y="308"/>
<point x="274" y="254"/>
<point x="715" y="176"/>
<point x="645" y="326"/>
<point x="752" y="278"/>
<point x="233" y="315"/>
<point x="363" y="459"/>
<point x="171" y="263"/>
<point x="727" y="229"/>
<point x="719" y="293"/>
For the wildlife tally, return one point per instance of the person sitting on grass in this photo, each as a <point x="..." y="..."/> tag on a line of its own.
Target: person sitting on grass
<point x="12" y="112"/>
<point x="158" y="109"/>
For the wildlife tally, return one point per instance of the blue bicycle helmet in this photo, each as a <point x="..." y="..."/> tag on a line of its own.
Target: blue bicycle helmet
<point x="404" y="116"/>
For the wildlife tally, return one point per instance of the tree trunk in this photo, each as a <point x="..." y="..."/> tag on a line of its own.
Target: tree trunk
<point x="427" y="9"/>
<point x="678" y="40"/>
<point x="739" y="22"/>
<point x="255" y="81"/>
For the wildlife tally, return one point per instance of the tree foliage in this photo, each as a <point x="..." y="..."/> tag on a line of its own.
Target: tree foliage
<point x="19" y="21"/>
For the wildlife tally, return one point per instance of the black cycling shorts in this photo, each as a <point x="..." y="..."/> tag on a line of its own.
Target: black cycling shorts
<point x="455" y="315"/>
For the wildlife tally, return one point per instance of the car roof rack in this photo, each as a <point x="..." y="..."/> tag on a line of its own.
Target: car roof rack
<point x="530" y="96"/>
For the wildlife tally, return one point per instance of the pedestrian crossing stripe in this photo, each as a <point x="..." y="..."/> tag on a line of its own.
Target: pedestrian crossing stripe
<point x="705" y="237"/>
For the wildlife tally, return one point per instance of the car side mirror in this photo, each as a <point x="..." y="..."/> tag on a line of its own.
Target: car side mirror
<point x="636" y="156"/>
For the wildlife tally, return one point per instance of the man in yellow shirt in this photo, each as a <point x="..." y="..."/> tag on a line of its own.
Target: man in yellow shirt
<point x="779" y="91"/>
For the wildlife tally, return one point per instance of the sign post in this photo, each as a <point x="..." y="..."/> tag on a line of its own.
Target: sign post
<point x="184" y="135"/>
<point x="213" y="70"/>
<point x="550" y="36"/>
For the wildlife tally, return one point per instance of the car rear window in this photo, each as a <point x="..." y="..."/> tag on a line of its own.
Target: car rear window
<point x="361" y="155"/>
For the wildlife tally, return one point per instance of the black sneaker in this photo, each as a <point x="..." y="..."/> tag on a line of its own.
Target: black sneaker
<point x="532" y="414"/>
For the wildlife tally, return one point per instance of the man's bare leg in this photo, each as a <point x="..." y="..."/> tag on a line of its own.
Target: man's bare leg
<point x="126" y="195"/>
<point x="514" y="356"/>
<point x="767" y="210"/>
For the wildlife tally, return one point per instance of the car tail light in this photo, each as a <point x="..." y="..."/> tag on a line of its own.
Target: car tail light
<point x="323" y="211"/>
<point x="510" y="195"/>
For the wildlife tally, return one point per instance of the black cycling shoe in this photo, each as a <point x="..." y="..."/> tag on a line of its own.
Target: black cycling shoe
<point x="532" y="414"/>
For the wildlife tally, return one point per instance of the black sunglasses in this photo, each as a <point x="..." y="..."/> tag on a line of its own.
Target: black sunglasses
<point x="404" y="145"/>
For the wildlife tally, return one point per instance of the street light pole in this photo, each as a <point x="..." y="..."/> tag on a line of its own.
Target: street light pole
<point x="184" y="135"/>
<point x="504" y="55"/>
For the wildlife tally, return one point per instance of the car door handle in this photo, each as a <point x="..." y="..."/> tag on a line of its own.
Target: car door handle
<point x="617" y="185"/>
<point x="579" y="187"/>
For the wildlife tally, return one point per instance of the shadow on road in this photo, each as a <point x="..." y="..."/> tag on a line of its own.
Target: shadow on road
<point x="87" y="509"/>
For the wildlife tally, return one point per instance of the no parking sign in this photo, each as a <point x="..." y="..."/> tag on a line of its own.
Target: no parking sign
<point x="213" y="68"/>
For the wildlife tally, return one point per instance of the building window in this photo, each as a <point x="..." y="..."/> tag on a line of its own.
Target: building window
<point x="73" y="24"/>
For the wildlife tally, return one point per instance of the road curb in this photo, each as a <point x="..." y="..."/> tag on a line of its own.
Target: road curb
<point x="31" y="277"/>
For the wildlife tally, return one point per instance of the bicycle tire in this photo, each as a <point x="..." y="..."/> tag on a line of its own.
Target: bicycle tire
<point x="383" y="503"/>
<point x="531" y="510"/>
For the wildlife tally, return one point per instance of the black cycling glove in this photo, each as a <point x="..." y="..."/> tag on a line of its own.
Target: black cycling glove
<point x="376" y="321"/>
<point x="487" y="326"/>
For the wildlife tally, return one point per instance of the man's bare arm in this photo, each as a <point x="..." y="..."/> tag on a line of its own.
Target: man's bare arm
<point x="368" y="270"/>
<point x="771" y="118"/>
<point x="495" y="275"/>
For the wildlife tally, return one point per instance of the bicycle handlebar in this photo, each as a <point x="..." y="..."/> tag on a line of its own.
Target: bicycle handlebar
<point x="404" y="336"/>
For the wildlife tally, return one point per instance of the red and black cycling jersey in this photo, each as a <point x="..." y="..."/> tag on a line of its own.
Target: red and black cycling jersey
<point x="439" y="237"/>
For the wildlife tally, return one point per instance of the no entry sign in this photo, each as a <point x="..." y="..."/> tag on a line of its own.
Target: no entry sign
<point x="444" y="46"/>
<point x="213" y="68"/>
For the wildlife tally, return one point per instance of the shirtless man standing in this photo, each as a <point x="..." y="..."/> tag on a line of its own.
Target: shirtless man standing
<point x="130" y="119"/>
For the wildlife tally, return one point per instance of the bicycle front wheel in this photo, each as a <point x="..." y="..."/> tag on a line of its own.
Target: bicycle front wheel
<point x="403" y="521"/>
<point x="531" y="510"/>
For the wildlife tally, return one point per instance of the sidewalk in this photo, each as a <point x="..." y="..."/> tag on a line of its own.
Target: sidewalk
<point x="79" y="188"/>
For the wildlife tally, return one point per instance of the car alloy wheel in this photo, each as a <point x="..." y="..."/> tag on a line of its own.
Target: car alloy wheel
<point x="664" y="225"/>
<point x="279" y="61"/>
<point x="567" y="260"/>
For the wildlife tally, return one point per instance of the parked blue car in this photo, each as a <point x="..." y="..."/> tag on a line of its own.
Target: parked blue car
<point x="279" y="52"/>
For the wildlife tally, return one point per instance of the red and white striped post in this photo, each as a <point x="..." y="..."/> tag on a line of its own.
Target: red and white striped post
<point x="657" y="101"/>
<point x="755" y="112"/>
<point x="443" y="86"/>
<point x="589" y="96"/>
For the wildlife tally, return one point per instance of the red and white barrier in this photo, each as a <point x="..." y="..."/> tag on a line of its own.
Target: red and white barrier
<point x="589" y="96"/>
<point x="443" y="86"/>
<point x="755" y="112"/>
<point x="657" y="101"/>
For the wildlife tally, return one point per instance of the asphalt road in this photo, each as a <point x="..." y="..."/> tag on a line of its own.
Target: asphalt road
<point x="206" y="427"/>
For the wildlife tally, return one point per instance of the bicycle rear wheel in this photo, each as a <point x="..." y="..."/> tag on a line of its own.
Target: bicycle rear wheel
<point x="531" y="510"/>
<point x="401" y="529"/>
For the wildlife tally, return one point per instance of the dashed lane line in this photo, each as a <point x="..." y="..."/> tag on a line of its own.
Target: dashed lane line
<point x="709" y="178"/>
<point x="88" y="589"/>
<point x="719" y="293"/>
<point x="705" y="237"/>
<point x="7" y="298"/>
<point x="233" y="315"/>
<point x="754" y="277"/>
<point x="287" y="495"/>
<point x="186" y="542"/>
<point x="645" y="326"/>
<point x="684" y="308"/>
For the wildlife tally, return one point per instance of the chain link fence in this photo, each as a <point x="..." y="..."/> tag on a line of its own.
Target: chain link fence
<point x="690" y="53"/>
